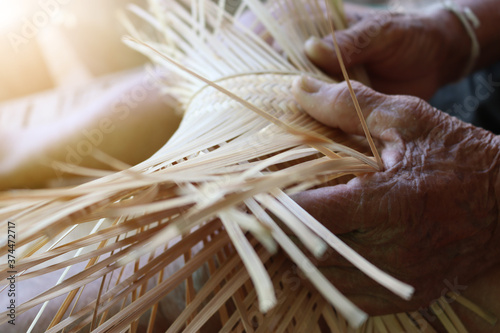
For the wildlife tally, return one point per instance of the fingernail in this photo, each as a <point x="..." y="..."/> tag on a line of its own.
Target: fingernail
<point x="309" y="84"/>
<point x="314" y="42"/>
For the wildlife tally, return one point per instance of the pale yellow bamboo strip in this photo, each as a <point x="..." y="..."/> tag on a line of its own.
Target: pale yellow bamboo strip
<point x="353" y="96"/>
<point x="154" y="309"/>
<point x="392" y="323"/>
<point x="295" y="306"/>
<point x="275" y="316"/>
<point x="308" y="238"/>
<point x="407" y="323"/>
<point x="279" y="158"/>
<point x="344" y="325"/>
<point x="190" y="291"/>
<point x="105" y="312"/>
<point x="311" y="317"/>
<point x="249" y="223"/>
<point x="459" y="326"/>
<point x="156" y="292"/>
<point x="309" y="137"/>
<point x="93" y="323"/>
<point x="443" y="318"/>
<point x="321" y="21"/>
<point x="489" y="317"/>
<point x="425" y="327"/>
<point x="69" y="299"/>
<point x="144" y="284"/>
<point x="277" y="270"/>
<point x="353" y="314"/>
<point x="107" y="233"/>
<point x="242" y="312"/>
<point x="63" y="216"/>
<point x="231" y="322"/>
<point x="99" y="251"/>
<point x="250" y="298"/>
<point x="29" y="253"/>
<point x="138" y="197"/>
<point x="79" y="295"/>
<point x="337" y="13"/>
<point x="369" y="326"/>
<point x="402" y="289"/>
<point x="279" y="179"/>
<point x="204" y="292"/>
<point x="221" y="258"/>
<point x="61" y="278"/>
<point x="331" y="319"/>
<point x="85" y="276"/>
<point x="229" y="289"/>
<point x="79" y="170"/>
<point x="255" y="267"/>
<point x="173" y="205"/>
<point x="379" y="325"/>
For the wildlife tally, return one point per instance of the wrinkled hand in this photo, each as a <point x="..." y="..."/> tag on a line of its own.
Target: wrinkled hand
<point x="412" y="54"/>
<point x="431" y="216"/>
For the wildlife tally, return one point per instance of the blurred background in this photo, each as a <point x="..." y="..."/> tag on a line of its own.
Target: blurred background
<point x="50" y="43"/>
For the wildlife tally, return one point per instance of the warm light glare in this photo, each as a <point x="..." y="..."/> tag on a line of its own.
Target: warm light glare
<point x="11" y="13"/>
<point x="48" y="43"/>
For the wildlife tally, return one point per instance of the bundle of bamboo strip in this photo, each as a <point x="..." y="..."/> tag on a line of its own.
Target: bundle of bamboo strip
<point x="193" y="238"/>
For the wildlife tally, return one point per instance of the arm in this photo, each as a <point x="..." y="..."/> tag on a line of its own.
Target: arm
<point x="430" y="217"/>
<point x="411" y="53"/>
<point x="488" y="12"/>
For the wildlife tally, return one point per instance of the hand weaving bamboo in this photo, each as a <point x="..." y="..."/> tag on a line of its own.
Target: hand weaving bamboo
<point x="206" y="197"/>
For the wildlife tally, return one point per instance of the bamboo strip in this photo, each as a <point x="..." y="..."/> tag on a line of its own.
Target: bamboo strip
<point x="443" y="318"/>
<point x="489" y="317"/>
<point x="457" y="323"/>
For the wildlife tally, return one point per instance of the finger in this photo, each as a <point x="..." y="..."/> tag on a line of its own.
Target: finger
<point x="388" y="117"/>
<point x="363" y="291"/>
<point x="335" y="207"/>
<point x="359" y="44"/>
<point x="351" y="281"/>
<point x="353" y="8"/>
<point x="354" y="13"/>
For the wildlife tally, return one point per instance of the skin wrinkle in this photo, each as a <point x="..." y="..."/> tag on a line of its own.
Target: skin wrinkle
<point x="400" y="33"/>
<point x="428" y="216"/>
<point x="447" y="172"/>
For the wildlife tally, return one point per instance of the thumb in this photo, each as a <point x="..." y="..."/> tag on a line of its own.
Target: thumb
<point x="332" y="105"/>
<point x="394" y="120"/>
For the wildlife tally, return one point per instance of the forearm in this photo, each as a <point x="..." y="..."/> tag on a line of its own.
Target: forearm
<point x="488" y="33"/>
<point x="460" y="43"/>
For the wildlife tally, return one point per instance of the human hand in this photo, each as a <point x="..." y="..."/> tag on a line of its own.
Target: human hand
<point x="413" y="53"/>
<point x="431" y="216"/>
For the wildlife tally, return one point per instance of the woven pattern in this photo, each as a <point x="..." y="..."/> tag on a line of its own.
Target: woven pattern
<point x="194" y="237"/>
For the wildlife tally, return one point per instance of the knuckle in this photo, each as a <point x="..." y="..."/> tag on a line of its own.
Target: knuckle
<point x="418" y="107"/>
<point x="340" y="94"/>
